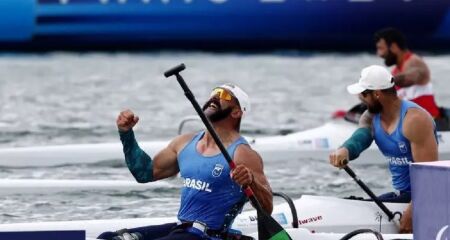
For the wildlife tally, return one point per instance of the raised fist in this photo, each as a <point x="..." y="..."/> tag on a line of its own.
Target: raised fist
<point x="126" y="120"/>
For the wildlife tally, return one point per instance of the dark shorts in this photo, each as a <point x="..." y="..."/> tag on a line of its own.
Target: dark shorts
<point x="395" y="197"/>
<point x="160" y="232"/>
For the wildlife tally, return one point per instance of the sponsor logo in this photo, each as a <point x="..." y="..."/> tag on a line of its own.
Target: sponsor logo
<point x="197" y="184"/>
<point x="217" y="170"/>
<point x="305" y="142"/>
<point x="280" y="218"/>
<point x="310" y="220"/>
<point x="317" y="143"/>
<point x="441" y="232"/>
<point x="321" y="143"/>
<point x="398" y="161"/>
<point x="402" y="146"/>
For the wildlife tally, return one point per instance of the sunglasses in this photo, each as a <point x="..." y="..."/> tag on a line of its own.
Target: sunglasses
<point x="366" y="92"/>
<point x="222" y="93"/>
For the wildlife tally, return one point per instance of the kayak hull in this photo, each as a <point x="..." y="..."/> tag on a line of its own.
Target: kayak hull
<point x="315" y="144"/>
<point x="315" y="213"/>
<point x="302" y="233"/>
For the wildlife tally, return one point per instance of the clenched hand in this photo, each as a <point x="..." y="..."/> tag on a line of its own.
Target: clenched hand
<point x="242" y="175"/>
<point x="126" y="120"/>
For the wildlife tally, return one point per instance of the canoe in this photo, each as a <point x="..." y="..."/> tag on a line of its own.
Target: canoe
<point x="315" y="213"/>
<point x="302" y="233"/>
<point x="315" y="144"/>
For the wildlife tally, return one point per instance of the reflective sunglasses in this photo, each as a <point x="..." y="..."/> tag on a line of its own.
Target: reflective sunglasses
<point x="222" y="93"/>
<point x="365" y="92"/>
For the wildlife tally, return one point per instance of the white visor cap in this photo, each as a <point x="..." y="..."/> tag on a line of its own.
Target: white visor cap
<point x="240" y="95"/>
<point x="373" y="77"/>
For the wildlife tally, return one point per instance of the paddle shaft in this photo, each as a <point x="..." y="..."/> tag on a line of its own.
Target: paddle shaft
<point x="369" y="192"/>
<point x="187" y="92"/>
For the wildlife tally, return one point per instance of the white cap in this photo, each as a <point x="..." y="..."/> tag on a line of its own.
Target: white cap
<point x="240" y="95"/>
<point x="373" y="77"/>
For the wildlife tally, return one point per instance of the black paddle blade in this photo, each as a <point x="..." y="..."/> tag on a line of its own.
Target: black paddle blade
<point x="269" y="229"/>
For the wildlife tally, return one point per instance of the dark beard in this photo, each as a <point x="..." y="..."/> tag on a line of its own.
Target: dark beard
<point x="375" y="108"/>
<point x="218" y="115"/>
<point x="390" y="59"/>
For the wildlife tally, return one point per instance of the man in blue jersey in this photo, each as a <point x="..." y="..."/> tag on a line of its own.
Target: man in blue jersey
<point x="403" y="131"/>
<point x="212" y="194"/>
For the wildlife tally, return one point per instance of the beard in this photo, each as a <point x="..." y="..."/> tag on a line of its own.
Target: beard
<point x="390" y="59"/>
<point x="219" y="114"/>
<point x="375" y="108"/>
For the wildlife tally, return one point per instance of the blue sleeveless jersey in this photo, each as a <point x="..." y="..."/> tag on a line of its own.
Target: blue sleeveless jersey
<point x="208" y="193"/>
<point x="396" y="148"/>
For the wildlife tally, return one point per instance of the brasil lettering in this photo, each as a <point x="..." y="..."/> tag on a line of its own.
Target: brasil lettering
<point x="398" y="161"/>
<point x="300" y="222"/>
<point x="197" y="184"/>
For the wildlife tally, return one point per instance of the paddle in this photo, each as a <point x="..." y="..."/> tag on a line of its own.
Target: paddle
<point x="268" y="228"/>
<point x="371" y="194"/>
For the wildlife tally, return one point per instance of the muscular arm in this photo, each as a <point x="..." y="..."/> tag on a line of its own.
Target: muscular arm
<point x="165" y="163"/>
<point x="360" y="140"/>
<point x="143" y="167"/>
<point x="419" y="130"/>
<point x="415" y="72"/>
<point x="249" y="158"/>
<point x="138" y="162"/>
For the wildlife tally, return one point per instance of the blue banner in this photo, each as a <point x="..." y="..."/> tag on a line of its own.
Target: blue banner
<point x="431" y="200"/>
<point x="17" y="20"/>
<point x="285" y="23"/>
<point x="44" y="235"/>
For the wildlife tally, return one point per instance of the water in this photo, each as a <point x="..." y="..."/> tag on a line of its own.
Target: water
<point x="61" y="98"/>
